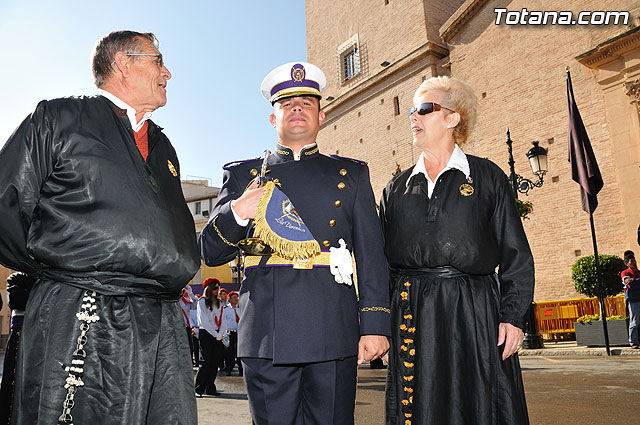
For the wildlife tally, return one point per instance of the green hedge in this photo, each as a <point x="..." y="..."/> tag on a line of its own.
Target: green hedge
<point x="583" y="273"/>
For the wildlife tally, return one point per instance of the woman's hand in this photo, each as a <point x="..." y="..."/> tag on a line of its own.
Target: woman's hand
<point x="511" y="337"/>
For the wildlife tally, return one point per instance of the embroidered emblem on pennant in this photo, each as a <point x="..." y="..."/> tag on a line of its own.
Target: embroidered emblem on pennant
<point x="281" y="227"/>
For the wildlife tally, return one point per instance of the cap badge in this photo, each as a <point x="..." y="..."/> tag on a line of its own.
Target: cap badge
<point x="297" y="73"/>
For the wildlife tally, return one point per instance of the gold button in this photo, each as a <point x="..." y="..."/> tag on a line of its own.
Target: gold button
<point x="325" y="243"/>
<point x="254" y="172"/>
<point x="343" y="172"/>
<point x="341" y="185"/>
<point x="337" y="203"/>
<point x="332" y="223"/>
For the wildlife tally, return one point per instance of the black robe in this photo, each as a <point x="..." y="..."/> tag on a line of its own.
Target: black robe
<point x="83" y="211"/>
<point x="445" y="366"/>
<point x="18" y="287"/>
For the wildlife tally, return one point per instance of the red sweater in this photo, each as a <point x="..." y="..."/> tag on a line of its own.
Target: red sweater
<point x="635" y="274"/>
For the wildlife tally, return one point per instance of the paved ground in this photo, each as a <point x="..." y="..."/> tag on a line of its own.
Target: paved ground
<point x="232" y="404"/>
<point x="588" y="390"/>
<point x="564" y="384"/>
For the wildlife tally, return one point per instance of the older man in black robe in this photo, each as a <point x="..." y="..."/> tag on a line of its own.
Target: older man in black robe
<point x="91" y="204"/>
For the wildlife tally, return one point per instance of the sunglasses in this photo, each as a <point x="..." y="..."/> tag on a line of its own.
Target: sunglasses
<point x="215" y="288"/>
<point x="427" y="108"/>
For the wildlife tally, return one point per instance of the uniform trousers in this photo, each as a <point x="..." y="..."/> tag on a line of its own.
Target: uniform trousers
<point x="301" y="394"/>
<point x="231" y="352"/>
<point x="212" y="352"/>
<point x="196" y="351"/>
<point x="191" y="344"/>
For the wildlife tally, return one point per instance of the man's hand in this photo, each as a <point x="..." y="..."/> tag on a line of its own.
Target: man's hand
<point x="371" y="347"/>
<point x="246" y="205"/>
<point x="511" y="337"/>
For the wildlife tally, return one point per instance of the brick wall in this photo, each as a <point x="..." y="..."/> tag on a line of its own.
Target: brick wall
<point x="386" y="33"/>
<point x="5" y="312"/>
<point x="519" y="78"/>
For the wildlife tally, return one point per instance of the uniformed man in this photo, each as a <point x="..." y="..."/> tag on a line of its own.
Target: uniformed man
<point x="223" y="296"/>
<point x="232" y="314"/>
<point x="302" y="331"/>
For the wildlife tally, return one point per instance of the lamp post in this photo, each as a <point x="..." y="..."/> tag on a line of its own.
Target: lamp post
<point x="237" y="268"/>
<point x="537" y="156"/>
<point x="537" y="159"/>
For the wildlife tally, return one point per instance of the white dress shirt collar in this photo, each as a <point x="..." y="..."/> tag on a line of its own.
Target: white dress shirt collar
<point x="131" y="113"/>
<point x="458" y="160"/>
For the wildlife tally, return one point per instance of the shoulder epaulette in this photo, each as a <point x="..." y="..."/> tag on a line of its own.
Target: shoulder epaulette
<point x="228" y="165"/>
<point x="349" y="159"/>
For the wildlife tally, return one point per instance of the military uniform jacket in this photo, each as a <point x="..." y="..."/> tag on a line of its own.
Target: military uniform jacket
<point x="80" y="205"/>
<point x="301" y="316"/>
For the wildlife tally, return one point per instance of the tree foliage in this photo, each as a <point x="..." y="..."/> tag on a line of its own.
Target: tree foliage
<point x="583" y="273"/>
<point x="524" y="208"/>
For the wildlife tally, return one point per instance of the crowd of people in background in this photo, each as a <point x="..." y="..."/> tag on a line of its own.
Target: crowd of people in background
<point x="443" y="285"/>
<point x="211" y="323"/>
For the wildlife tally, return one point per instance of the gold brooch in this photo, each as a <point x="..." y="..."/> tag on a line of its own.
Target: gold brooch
<point x="466" y="189"/>
<point x="172" y="168"/>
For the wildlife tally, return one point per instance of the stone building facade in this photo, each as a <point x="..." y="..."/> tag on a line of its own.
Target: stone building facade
<point x="200" y="198"/>
<point x="518" y="74"/>
<point x="5" y="312"/>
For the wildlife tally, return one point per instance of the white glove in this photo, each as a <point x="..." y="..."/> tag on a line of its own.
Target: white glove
<point x="340" y="263"/>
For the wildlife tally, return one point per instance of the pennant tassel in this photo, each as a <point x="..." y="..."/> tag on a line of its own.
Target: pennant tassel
<point x="276" y="239"/>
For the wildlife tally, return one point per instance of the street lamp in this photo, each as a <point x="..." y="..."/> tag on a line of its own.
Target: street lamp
<point x="538" y="160"/>
<point x="237" y="268"/>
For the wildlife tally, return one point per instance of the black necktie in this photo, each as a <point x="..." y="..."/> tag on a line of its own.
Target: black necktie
<point x="417" y="184"/>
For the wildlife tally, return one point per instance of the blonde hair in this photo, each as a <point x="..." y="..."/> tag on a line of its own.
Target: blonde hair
<point x="459" y="96"/>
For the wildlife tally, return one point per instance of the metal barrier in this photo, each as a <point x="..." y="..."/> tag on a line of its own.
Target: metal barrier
<point x="557" y="317"/>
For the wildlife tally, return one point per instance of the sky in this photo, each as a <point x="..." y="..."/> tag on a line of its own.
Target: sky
<point x="218" y="52"/>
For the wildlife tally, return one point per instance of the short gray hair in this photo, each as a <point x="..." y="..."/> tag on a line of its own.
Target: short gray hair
<point x="112" y="43"/>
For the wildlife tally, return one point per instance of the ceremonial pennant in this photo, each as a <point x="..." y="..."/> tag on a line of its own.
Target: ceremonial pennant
<point x="281" y="227"/>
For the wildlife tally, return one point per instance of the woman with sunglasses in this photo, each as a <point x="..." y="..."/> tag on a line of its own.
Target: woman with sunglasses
<point x="213" y="326"/>
<point x="461" y="274"/>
